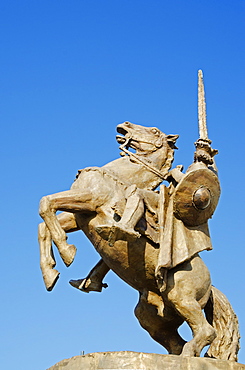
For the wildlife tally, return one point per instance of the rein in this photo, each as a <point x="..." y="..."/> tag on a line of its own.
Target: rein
<point x="141" y="161"/>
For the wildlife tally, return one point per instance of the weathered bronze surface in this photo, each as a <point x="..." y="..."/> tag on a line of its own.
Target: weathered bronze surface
<point x="150" y="238"/>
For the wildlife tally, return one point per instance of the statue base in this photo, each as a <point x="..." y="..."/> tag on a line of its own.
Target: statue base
<point x="142" y="361"/>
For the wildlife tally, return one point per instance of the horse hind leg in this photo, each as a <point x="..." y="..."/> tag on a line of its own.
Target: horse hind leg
<point x="189" y="308"/>
<point x="156" y="319"/>
<point x="47" y="261"/>
<point x="203" y="332"/>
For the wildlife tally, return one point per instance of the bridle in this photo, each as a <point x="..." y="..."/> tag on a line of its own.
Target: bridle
<point x="136" y="158"/>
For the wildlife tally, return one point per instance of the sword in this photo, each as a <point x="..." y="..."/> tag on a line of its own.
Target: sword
<point x="202" y="116"/>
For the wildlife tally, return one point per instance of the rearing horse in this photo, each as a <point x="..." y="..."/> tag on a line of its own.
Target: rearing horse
<point x="97" y="197"/>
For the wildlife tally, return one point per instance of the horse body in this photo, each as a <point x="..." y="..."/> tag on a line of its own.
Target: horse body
<point x="133" y="262"/>
<point x="91" y="202"/>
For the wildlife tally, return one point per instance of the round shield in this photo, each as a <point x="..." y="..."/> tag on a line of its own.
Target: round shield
<point x="196" y="197"/>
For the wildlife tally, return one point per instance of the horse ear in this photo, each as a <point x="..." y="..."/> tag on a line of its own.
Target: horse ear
<point x="171" y="139"/>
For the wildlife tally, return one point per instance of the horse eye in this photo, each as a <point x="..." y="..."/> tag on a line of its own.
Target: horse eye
<point x="155" y="131"/>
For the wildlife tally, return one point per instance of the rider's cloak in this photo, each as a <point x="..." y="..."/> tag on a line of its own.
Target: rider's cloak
<point x="180" y="242"/>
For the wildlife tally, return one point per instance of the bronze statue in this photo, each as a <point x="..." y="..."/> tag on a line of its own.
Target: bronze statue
<point x="150" y="235"/>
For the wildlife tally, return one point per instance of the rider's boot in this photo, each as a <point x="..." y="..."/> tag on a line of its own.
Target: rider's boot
<point x="94" y="280"/>
<point x="88" y="285"/>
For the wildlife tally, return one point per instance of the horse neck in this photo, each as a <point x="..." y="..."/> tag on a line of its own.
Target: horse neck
<point x="132" y="172"/>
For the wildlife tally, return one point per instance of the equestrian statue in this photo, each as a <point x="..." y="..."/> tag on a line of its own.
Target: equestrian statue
<point x="150" y="234"/>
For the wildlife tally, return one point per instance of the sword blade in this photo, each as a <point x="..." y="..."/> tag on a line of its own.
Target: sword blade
<point x="202" y="122"/>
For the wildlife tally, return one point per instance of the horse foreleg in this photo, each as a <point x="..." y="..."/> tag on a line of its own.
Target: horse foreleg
<point x="47" y="262"/>
<point x="70" y="201"/>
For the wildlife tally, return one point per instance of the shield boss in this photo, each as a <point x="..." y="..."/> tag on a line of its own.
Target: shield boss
<point x="196" y="197"/>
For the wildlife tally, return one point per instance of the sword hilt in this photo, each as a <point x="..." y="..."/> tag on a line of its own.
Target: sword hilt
<point x="204" y="153"/>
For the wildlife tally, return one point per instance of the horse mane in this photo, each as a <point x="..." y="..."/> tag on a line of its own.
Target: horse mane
<point x="168" y="163"/>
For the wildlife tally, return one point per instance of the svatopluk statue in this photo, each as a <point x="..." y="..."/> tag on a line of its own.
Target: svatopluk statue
<point x="150" y="235"/>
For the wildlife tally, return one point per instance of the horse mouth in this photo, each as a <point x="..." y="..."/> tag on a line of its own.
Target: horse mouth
<point x="121" y="139"/>
<point x="126" y="135"/>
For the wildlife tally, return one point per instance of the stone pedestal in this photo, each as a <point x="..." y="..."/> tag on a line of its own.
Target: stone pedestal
<point x="142" y="361"/>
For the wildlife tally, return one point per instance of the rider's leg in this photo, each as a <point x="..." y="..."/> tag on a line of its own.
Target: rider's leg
<point x="70" y="201"/>
<point x="47" y="262"/>
<point x="94" y="280"/>
<point x="133" y="211"/>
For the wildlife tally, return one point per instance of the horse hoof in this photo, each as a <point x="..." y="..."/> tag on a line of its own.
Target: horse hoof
<point x="68" y="254"/>
<point x="190" y="350"/>
<point x="50" y="279"/>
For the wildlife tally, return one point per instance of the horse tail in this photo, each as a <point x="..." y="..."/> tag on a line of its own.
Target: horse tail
<point x="221" y="316"/>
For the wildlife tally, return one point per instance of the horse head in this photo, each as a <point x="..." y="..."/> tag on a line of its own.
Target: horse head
<point x="153" y="148"/>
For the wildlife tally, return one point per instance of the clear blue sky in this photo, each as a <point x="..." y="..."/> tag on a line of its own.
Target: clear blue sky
<point x="70" y="72"/>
